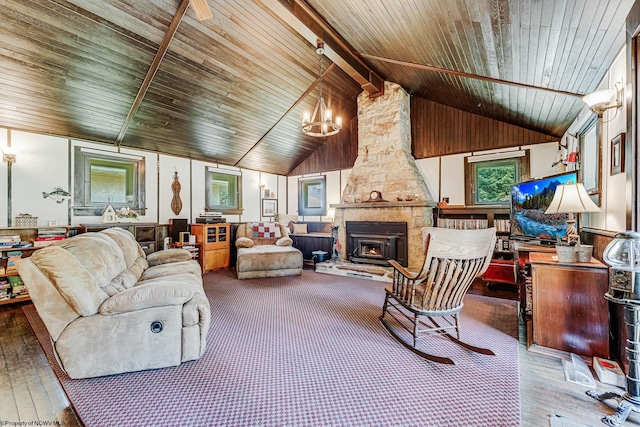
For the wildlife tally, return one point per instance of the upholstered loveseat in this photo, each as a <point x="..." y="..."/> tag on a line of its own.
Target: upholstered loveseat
<point x="110" y="309"/>
<point x="264" y="250"/>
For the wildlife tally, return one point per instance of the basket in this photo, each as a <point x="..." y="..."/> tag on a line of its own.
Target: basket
<point x="583" y="253"/>
<point x="26" y="220"/>
<point x="566" y="253"/>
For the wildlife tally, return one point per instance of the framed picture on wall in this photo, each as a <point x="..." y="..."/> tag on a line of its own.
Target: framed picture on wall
<point x="269" y="207"/>
<point x="617" y="154"/>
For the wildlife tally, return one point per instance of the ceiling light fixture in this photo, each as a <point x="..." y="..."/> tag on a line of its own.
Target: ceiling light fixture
<point x="320" y="123"/>
<point x="601" y="100"/>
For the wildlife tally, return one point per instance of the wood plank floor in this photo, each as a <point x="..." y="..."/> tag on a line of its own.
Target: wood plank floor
<point x="29" y="390"/>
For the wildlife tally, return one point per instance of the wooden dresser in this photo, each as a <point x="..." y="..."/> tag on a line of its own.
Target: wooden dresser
<point x="570" y="313"/>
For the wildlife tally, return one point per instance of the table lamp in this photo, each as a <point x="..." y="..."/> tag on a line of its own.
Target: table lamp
<point x="571" y="199"/>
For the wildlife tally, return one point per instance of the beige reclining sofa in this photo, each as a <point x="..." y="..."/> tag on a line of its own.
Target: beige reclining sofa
<point x="110" y="309"/>
<point x="264" y="250"/>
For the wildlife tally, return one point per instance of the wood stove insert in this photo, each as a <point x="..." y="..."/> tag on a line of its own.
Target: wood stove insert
<point x="373" y="242"/>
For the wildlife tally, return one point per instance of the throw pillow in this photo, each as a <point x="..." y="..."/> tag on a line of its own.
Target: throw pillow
<point x="299" y="228"/>
<point x="244" y="242"/>
<point x="265" y="230"/>
<point x="284" y="241"/>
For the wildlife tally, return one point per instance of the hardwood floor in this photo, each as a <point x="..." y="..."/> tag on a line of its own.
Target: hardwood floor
<point x="29" y="390"/>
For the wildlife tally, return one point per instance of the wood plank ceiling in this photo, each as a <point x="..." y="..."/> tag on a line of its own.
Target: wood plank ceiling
<point x="232" y="89"/>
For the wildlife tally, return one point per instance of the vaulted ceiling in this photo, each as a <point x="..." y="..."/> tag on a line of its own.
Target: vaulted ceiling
<point x="231" y="89"/>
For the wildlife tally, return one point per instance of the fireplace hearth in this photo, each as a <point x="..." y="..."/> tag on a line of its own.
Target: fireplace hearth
<point x="373" y="242"/>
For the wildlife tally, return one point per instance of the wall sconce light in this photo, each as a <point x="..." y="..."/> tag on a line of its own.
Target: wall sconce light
<point x="9" y="155"/>
<point x="601" y="100"/>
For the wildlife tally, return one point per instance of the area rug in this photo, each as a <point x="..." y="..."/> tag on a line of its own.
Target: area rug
<point x="310" y="351"/>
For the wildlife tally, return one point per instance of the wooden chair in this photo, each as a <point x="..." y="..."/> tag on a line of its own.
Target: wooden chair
<point x="454" y="259"/>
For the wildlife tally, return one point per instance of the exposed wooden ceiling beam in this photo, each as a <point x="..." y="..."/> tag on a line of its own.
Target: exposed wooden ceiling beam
<point x="201" y="9"/>
<point x="303" y="19"/>
<point x="471" y="76"/>
<point x="153" y="68"/>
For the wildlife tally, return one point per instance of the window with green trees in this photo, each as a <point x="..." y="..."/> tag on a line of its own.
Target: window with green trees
<point x="104" y="177"/>
<point x="223" y="190"/>
<point x="488" y="182"/>
<point x="494" y="180"/>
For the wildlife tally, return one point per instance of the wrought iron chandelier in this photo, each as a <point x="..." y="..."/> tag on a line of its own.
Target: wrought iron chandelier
<point x="320" y="123"/>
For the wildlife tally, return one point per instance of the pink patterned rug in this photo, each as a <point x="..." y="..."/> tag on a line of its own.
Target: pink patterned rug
<point x="311" y="351"/>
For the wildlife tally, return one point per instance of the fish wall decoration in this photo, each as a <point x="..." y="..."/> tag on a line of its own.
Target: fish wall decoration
<point x="58" y="194"/>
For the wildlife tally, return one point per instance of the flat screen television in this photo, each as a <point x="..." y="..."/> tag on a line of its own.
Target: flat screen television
<point x="529" y="201"/>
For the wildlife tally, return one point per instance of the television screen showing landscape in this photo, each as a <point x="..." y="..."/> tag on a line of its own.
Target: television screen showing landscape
<point x="529" y="201"/>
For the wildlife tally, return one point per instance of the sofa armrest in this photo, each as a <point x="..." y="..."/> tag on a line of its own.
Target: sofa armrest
<point x="153" y="293"/>
<point x="167" y="256"/>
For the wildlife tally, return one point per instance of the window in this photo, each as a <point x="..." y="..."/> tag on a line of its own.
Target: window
<point x="223" y="190"/>
<point x="103" y="177"/>
<point x="489" y="181"/>
<point x="312" y="196"/>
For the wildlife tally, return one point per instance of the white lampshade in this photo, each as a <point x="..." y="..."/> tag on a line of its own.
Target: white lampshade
<point x="599" y="98"/>
<point x="571" y="198"/>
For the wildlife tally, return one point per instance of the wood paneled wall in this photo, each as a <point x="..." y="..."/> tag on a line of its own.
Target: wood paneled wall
<point x="338" y="152"/>
<point x="436" y="130"/>
<point x="439" y="130"/>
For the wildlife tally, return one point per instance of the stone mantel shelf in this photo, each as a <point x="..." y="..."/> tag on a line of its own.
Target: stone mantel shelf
<point x="361" y="205"/>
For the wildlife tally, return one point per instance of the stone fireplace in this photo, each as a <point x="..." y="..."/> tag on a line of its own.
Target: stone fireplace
<point x="385" y="164"/>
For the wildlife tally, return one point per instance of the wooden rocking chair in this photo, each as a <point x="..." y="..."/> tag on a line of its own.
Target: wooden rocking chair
<point x="454" y="259"/>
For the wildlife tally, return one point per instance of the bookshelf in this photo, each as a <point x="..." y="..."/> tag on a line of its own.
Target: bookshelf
<point x="503" y="267"/>
<point x="474" y="217"/>
<point x="21" y="242"/>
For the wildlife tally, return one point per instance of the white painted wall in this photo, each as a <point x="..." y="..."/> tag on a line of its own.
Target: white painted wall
<point x="613" y="214"/>
<point x="4" y="133"/>
<point x="167" y="166"/>
<point x="452" y="178"/>
<point x="43" y="162"/>
<point x="430" y="169"/>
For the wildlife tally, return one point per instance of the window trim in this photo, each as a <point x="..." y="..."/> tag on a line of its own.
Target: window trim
<point x="303" y="194"/>
<point x="470" y="180"/>
<point x="208" y="175"/>
<point x="82" y="205"/>
<point x="592" y="125"/>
